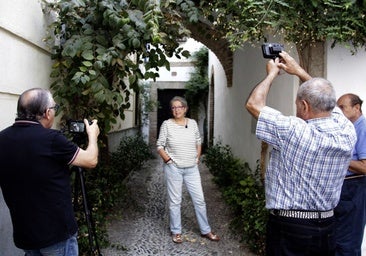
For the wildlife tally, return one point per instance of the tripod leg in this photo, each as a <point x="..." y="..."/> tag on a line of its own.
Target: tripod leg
<point x="76" y="191"/>
<point x="88" y="217"/>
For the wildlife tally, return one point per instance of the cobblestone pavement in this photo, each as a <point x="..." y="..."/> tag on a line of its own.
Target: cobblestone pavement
<point x="143" y="227"/>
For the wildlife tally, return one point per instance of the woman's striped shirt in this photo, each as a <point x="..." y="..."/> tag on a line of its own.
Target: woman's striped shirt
<point x="180" y="142"/>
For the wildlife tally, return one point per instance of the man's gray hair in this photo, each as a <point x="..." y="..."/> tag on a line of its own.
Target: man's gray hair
<point x="33" y="103"/>
<point x="319" y="94"/>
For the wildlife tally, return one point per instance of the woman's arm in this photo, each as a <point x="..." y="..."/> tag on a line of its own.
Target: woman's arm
<point x="161" y="143"/>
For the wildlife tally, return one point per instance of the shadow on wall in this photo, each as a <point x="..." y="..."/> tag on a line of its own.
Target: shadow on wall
<point x="7" y="246"/>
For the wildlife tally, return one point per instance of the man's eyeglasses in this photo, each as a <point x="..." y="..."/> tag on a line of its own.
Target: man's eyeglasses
<point x="56" y="107"/>
<point x="178" y="107"/>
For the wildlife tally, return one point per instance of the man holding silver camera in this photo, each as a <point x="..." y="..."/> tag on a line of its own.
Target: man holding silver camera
<point x="310" y="156"/>
<point x="35" y="176"/>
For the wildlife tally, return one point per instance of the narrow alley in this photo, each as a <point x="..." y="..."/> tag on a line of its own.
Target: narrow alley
<point x="144" y="227"/>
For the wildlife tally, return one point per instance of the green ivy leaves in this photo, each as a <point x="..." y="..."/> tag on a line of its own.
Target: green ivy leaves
<point x="99" y="48"/>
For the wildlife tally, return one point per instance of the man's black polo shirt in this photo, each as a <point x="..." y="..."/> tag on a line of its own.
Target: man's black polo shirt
<point x="35" y="181"/>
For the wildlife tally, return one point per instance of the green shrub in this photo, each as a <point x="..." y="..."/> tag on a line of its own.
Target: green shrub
<point x="131" y="154"/>
<point x="105" y="188"/>
<point x="244" y="193"/>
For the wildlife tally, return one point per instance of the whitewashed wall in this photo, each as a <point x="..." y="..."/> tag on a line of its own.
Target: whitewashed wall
<point x="347" y="72"/>
<point x="25" y="63"/>
<point x="233" y="124"/>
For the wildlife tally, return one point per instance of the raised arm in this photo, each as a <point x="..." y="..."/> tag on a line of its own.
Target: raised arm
<point x="88" y="158"/>
<point x="258" y="97"/>
<point x="289" y="64"/>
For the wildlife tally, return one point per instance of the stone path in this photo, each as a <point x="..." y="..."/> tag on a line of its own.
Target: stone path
<point x="143" y="228"/>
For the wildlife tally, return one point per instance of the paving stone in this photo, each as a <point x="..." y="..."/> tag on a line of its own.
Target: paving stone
<point x="143" y="227"/>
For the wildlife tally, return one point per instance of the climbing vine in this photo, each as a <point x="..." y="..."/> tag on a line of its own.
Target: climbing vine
<point x="102" y="48"/>
<point x="197" y="85"/>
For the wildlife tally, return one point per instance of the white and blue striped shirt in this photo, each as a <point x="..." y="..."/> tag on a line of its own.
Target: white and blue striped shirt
<point x="180" y="142"/>
<point x="308" y="161"/>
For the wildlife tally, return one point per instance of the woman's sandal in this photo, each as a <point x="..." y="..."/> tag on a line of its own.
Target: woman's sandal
<point x="177" y="238"/>
<point x="211" y="236"/>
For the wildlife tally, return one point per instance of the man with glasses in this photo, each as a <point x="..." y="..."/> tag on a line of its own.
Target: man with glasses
<point x="35" y="176"/>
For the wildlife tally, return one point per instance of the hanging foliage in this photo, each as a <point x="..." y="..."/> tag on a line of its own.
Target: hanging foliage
<point x="99" y="46"/>
<point x="197" y="85"/>
<point x="299" y="21"/>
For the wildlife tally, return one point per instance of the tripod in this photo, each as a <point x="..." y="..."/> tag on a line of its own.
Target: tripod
<point x="80" y="181"/>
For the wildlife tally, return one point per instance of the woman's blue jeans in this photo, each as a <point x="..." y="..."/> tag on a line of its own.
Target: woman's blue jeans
<point x="68" y="247"/>
<point x="174" y="178"/>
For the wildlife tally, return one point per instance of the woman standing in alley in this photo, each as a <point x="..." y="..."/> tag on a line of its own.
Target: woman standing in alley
<point x="179" y="145"/>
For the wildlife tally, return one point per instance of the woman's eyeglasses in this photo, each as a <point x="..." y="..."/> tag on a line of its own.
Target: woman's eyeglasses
<point x="178" y="107"/>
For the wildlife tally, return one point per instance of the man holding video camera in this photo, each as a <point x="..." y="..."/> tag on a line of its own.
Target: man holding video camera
<point x="309" y="159"/>
<point x="35" y="176"/>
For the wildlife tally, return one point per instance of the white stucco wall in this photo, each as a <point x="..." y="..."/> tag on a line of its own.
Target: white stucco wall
<point x="233" y="124"/>
<point x="347" y="71"/>
<point x="24" y="64"/>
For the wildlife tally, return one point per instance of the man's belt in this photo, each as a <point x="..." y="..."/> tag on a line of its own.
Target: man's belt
<point x="354" y="176"/>
<point x="303" y="214"/>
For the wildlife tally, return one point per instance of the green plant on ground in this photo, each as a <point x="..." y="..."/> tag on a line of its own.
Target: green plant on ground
<point x="244" y="193"/>
<point x="105" y="188"/>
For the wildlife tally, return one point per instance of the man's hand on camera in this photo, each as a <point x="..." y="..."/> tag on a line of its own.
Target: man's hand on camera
<point x="289" y="64"/>
<point x="272" y="67"/>
<point x="88" y="158"/>
<point x="92" y="129"/>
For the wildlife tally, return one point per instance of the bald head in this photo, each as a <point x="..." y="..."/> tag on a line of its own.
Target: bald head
<point x="353" y="99"/>
<point x="351" y="105"/>
<point x="33" y="103"/>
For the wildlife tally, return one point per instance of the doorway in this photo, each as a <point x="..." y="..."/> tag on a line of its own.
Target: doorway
<point x="164" y="98"/>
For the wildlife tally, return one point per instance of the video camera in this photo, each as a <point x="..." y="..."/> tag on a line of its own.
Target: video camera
<point x="77" y="126"/>
<point x="272" y="50"/>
